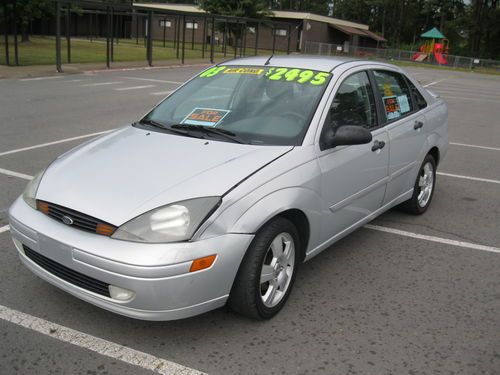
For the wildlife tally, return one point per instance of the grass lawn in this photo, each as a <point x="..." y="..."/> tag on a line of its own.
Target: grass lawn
<point x="41" y="51"/>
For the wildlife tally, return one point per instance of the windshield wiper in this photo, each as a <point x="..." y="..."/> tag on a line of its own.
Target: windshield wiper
<point x="159" y="125"/>
<point x="209" y="130"/>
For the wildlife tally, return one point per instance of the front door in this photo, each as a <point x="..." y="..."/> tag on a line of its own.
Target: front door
<point x="353" y="177"/>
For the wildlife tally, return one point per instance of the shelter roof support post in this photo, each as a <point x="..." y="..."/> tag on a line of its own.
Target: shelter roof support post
<point x="14" y="24"/>
<point x="68" y="35"/>
<point x="204" y="41"/>
<point x="164" y="31"/>
<point x="107" y="38"/>
<point x="58" y="37"/>
<point x="212" y="37"/>
<point x="6" y="36"/>
<point x="257" y="38"/>
<point x="112" y="29"/>
<point x="183" y="37"/>
<point x="288" y="41"/>
<point x="149" y="49"/>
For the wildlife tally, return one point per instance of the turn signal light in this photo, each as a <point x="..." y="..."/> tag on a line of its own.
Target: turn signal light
<point x="202" y="263"/>
<point x="42" y="207"/>
<point x="104" y="229"/>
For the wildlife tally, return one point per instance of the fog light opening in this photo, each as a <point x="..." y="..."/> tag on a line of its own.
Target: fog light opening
<point x="202" y="263"/>
<point x="120" y="294"/>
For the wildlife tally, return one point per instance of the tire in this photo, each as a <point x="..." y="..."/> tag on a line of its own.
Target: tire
<point x="258" y="300"/>
<point x="423" y="190"/>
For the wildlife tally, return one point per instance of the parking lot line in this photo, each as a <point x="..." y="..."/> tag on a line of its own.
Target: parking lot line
<point x="100" y="84"/>
<point x="154" y="80"/>
<point x="39" y="78"/>
<point x="435" y="82"/>
<point x="134" y="88"/>
<point x="15" y="174"/>
<point x="95" y="344"/>
<point x="468" y="177"/>
<point x="468" y="98"/>
<point x="5" y="228"/>
<point x="475" y="146"/>
<point x="160" y="93"/>
<point x="425" y="237"/>
<point x="53" y="143"/>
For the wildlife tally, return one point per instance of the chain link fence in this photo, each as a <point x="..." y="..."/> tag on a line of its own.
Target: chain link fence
<point x="471" y="63"/>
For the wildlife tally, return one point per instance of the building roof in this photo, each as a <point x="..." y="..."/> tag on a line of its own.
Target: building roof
<point x="347" y="27"/>
<point x="433" y="33"/>
<point x="187" y="8"/>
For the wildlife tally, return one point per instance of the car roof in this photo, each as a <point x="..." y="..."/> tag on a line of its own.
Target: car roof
<point x="321" y="63"/>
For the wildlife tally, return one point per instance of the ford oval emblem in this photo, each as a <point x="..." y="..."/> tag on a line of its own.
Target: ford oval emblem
<point x="67" y="220"/>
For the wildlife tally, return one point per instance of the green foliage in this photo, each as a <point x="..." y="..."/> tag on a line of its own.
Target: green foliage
<point x="238" y="8"/>
<point x="472" y="27"/>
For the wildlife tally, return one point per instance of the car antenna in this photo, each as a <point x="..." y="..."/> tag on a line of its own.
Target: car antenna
<point x="268" y="60"/>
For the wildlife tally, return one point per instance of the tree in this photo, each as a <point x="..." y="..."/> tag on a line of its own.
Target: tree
<point x="235" y="8"/>
<point x="29" y="10"/>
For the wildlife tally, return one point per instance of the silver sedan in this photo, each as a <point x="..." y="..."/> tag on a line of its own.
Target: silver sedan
<point x="222" y="190"/>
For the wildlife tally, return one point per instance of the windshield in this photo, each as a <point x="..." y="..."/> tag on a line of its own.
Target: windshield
<point x="259" y="105"/>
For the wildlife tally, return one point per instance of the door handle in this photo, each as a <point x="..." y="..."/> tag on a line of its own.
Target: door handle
<point x="378" y="145"/>
<point x="418" y="125"/>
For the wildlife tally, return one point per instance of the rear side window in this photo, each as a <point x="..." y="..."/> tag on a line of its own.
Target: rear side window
<point x="421" y="103"/>
<point x="395" y="94"/>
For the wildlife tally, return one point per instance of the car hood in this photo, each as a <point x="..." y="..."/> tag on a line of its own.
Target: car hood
<point x="131" y="171"/>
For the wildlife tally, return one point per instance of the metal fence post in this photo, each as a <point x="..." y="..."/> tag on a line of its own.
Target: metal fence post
<point x="7" y="27"/>
<point x="58" y="37"/>
<point x="68" y="37"/>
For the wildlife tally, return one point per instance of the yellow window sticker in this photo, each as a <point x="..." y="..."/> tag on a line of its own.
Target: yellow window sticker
<point x="256" y="71"/>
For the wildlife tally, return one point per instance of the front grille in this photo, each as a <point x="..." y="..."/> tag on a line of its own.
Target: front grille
<point x="78" y="219"/>
<point x="67" y="274"/>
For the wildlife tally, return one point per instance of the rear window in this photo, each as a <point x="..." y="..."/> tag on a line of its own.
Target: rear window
<point x="421" y="102"/>
<point x="395" y="94"/>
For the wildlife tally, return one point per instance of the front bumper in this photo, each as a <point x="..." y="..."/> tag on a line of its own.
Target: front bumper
<point x="157" y="273"/>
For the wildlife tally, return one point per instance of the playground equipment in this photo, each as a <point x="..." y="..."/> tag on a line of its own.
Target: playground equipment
<point x="436" y="44"/>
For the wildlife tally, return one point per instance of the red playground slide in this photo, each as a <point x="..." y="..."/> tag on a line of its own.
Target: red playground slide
<point x="440" y="58"/>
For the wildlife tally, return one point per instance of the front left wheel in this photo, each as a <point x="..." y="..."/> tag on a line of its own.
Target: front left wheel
<point x="267" y="272"/>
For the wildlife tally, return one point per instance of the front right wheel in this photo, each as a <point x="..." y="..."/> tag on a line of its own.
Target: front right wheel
<point x="267" y="272"/>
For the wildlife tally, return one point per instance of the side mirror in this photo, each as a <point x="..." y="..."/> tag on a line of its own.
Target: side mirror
<point x="345" y="135"/>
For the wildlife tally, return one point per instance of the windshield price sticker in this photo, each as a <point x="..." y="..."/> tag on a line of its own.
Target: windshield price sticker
<point x="274" y="74"/>
<point x="205" y="116"/>
<point x="255" y="71"/>
<point x="392" y="107"/>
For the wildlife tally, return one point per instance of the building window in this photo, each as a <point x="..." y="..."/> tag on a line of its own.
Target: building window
<point x="280" y="32"/>
<point x="189" y="25"/>
<point x="165" y="23"/>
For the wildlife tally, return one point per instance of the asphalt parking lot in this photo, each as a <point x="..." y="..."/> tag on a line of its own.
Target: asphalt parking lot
<point x="406" y="295"/>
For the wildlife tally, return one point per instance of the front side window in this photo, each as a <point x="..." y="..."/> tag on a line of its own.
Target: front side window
<point x="354" y="103"/>
<point x="261" y="105"/>
<point x="396" y="97"/>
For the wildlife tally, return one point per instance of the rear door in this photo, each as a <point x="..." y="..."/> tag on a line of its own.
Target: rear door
<point x="405" y="124"/>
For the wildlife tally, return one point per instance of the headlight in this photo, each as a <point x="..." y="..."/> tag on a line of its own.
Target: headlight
<point x="29" y="193"/>
<point x="171" y="223"/>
